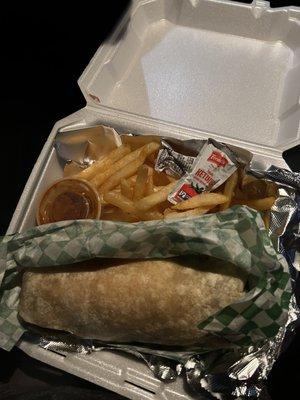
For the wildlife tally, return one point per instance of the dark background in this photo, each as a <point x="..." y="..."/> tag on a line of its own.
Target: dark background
<point x="43" y="52"/>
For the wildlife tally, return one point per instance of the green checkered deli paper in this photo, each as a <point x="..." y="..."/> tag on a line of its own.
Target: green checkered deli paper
<point x="236" y="235"/>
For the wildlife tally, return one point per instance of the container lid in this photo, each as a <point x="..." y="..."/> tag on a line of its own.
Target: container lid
<point x="226" y="68"/>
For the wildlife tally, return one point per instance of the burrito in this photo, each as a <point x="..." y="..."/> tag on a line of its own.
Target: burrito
<point x="158" y="301"/>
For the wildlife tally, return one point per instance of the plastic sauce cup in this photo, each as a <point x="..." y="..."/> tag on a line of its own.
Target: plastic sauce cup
<point x="68" y="199"/>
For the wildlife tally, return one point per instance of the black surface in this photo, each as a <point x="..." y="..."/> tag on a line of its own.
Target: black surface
<point x="43" y="52"/>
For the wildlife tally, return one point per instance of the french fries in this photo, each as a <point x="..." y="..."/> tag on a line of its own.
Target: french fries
<point x="241" y="174"/>
<point x="136" y="142"/>
<point x="149" y="215"/>
<point x="151" y="160"/>
<point x="155" y="198"/>
<point x="142" y="152"/>
<point x="149" y="184"/>
<point x="120" y="201"/>
<point x="104" y="163"/>
<point x="132" y="180"/>
<point x="256" y="189"/>
<point x="184" y="214"/>
<point x="130" y="190"/>
<point x="229" y="189"/>
<point x="170" y="178"/>
<point x="127" y="171"/>
<point x="126" y="189"/>
<point x="201" y="200"/>
<point x="129" y="207"/>
<point x="111" y="213"/>
<point x="258" y="204"/>
<point x="246" y="179"/>
<point x="141" y="182"/>
<point x="160" y="178"/>
<point x="272" y="189"/>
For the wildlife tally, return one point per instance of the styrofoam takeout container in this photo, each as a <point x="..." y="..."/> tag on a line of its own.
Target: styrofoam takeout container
<point x="187" y="69"/>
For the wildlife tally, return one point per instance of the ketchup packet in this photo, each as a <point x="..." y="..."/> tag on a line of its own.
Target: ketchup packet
<point x="173" y="163"/>
<point x="213" y="166"/>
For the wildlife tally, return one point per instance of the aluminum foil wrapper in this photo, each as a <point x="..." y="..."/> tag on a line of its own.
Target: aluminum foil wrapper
<point x="285" y="213"/>
<point x="243" y="373"/>
<point x="280" y="175"/>
<point x="83" y="146"/>
<point x="166" y="370"/>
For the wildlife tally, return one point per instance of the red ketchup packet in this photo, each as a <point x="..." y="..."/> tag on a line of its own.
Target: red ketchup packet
<point x="213" y="166"/>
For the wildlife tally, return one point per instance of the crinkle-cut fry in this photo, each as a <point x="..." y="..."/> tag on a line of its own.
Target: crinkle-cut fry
<point x="126" y="189"/>
<point x="258" y="204"/>
<point x="266" y="219"/>
<point x="136" y="142"/>
<point x="144" y="151"/>
<point x="141" y="181"/>
<point x="104" y="163"/>
<point x="184" y="214"/>
<point x="155" y="198"/>
<point x="115" y="179"/>
<point x="229" y="190"/>
<point x="201" y="200"/>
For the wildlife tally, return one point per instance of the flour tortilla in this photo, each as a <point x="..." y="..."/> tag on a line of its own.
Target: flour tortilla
<point x="149" y="301"/>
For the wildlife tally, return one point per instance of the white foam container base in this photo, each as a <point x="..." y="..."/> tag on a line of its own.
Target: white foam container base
<point x="186" y="69"/>
<point x="115" y="371"/>
<point x="118" y="371"/>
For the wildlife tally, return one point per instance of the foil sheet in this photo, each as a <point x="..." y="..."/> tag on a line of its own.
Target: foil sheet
<point x="244" y="375"/>
<point x="279" y="175"/>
